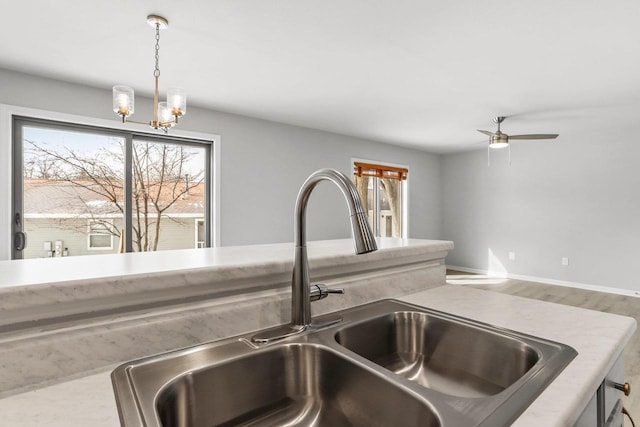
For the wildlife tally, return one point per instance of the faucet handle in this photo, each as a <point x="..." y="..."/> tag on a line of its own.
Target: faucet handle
<point x="333" y="291"/>
<point x="320" y="291"/>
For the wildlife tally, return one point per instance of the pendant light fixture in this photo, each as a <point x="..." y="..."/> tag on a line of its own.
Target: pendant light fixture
<point x="165" y="114"/>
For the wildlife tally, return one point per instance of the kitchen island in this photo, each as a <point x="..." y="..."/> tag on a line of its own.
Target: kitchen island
<point x="599" y="338"/>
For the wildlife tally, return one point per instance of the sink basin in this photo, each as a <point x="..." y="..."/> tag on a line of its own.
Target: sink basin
<point x="386" y="363"/>
<point x="295" y="384"/>
<point x="451" y="357"/>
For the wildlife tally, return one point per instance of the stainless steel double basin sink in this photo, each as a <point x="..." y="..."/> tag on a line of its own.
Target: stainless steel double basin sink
<point x="387" y="363"/>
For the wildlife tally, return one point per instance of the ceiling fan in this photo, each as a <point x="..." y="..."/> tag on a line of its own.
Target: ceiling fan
<point x="500" y="140"/>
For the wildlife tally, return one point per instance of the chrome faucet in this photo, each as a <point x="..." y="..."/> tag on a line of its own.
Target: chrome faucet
<point x="301" y="294"/>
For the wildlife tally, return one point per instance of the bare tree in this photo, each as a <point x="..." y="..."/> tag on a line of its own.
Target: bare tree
<point x="158" y="181"/>
<point x="362" y="185"/>
<point x="393" y="189"/>
<point x="40" y="167"/>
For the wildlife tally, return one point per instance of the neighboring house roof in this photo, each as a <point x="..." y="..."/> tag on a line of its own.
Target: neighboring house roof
<point x="51" y="198"/>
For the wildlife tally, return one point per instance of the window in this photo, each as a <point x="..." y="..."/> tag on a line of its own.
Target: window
<point x="382" y="189"/>
<point x="100" y="235"/>
<point x="97" y="190"/>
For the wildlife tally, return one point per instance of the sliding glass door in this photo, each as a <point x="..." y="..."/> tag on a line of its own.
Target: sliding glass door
<point x="80" y="190"/>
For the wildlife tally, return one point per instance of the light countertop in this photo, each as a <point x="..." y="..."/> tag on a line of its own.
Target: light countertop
<point x="598" y="337"/>
<point x="16" y="273"/>
<point x="73" y="283"/>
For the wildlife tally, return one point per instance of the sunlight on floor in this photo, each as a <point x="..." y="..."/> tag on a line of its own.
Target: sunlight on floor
<point x="475" y="279"/>
<point x="498" y="274"/>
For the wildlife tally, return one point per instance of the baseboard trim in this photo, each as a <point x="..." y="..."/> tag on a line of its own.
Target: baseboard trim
<point x="546" y="281"/>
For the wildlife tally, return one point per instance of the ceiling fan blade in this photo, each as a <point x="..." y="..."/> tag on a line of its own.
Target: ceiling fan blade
<point x="535" y="136"/>
<point x="486" y="132"/>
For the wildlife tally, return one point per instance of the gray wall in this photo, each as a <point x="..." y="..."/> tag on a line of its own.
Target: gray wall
<point x="575" y="197"/>
<point x="263" y="164"/>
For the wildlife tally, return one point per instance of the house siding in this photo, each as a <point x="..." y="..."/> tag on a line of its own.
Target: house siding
<point x="176" y="233"/>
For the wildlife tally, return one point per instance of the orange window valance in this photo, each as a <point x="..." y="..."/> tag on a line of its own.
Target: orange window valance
<point x="380" y="171"/>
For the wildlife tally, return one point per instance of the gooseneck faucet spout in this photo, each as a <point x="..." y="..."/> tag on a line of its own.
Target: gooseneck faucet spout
<point x="364" y="242"/>
<point x="363" y="239"/>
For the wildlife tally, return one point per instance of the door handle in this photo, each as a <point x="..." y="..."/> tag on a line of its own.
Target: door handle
<point x="20" y="240"/>
<point x="20" y="237"/>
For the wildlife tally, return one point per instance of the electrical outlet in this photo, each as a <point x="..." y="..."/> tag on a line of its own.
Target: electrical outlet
<point x="512" y="256"/>
<point x="565" y="261"/>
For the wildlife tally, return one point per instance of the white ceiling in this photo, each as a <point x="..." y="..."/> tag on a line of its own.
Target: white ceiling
<point x="422" y="73"/>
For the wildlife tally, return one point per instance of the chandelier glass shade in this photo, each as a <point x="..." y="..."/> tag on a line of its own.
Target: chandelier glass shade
<point x="165" y="114"/>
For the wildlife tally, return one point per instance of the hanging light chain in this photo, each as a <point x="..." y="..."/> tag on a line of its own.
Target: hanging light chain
<point x="156" y="72"/>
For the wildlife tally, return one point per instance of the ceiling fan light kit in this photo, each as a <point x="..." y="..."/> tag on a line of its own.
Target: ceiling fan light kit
<point x="499" y="139"/>
<point x="165" y="114"/>
<point x="496" y="143"/>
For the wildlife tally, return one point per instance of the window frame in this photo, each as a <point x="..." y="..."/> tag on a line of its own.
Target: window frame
<point x="8" y="130"/>
<point x="404" y="233"/>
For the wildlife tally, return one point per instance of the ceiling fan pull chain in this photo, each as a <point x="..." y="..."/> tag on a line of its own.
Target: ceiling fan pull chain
<point x="509" y="148"/>
<point x="488" y="157"/>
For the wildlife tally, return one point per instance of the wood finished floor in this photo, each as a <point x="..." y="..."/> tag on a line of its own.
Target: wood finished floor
<point x="609" y="303"/>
